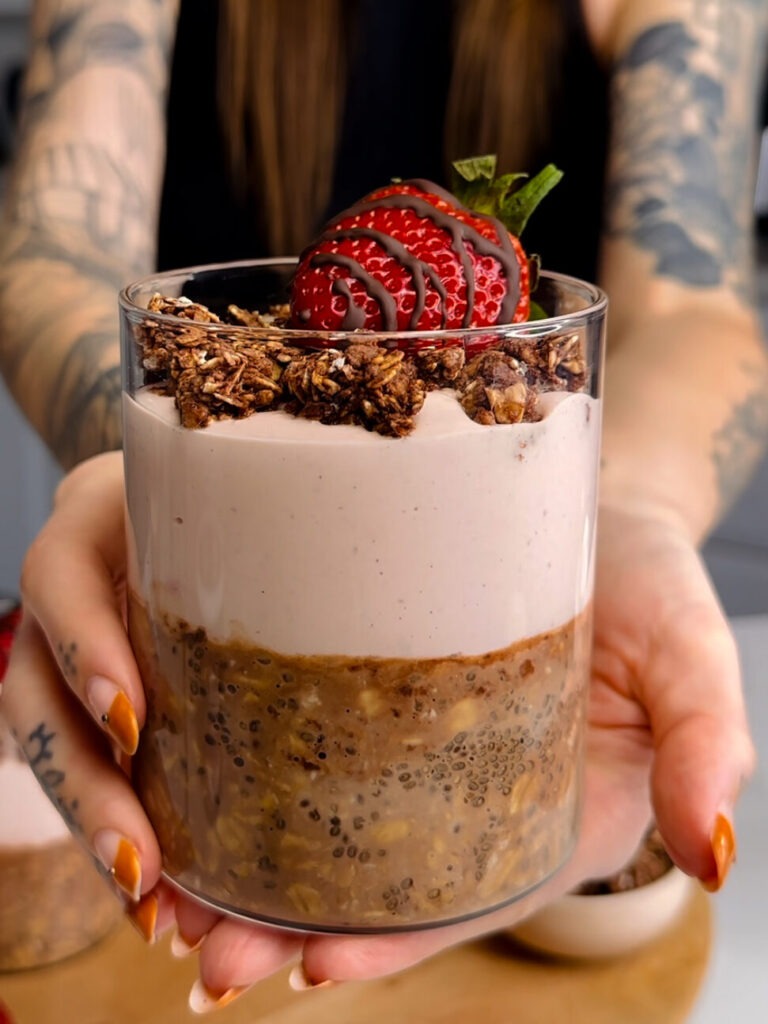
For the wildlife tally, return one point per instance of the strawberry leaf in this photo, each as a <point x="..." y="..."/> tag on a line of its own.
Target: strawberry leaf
<point x="518" y="207"/>
<point x="537" y="312"/>
<point x="511" y="197"/>
<point x="476" y="168"/>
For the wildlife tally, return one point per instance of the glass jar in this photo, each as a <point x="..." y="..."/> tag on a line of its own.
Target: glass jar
<point x="366" y="651"/>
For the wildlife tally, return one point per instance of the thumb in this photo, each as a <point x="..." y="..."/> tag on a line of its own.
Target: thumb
<point x="692" y="692"/>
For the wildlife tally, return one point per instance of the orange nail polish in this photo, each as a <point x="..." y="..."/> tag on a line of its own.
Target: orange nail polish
<point x="300" y="981"/>
<point x="127" y="869"/>
<point x="724" y="851"/>
<point x="182" y="947"/>
<point x="202" y="1000"/>
<point x="121" y="858"/>
<point x="115" y="712"/>
<point x="143" y="916"/>
<point x="121" y="724"/>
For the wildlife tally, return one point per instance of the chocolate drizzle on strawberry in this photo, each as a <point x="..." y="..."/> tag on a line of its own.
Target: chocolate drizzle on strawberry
<point x="418" y="270"/>
<point x="355" y="317"/>
<point x="460" y="234"/>
<point x="425" y="185"/>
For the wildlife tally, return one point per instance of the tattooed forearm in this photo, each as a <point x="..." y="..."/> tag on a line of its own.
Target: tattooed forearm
<point x="739" y="443"/>
<point x="75" y="35"/>
<point x="77" y="204"/>
<point x="91" y="147"/>
<point x="88" y="421"/>
<point x="81" y="212"/>
<point x="70" y="359"/>
<point x="681" y="170"/>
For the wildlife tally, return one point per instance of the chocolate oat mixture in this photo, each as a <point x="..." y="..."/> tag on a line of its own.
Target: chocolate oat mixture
<point x="369" y="792"/>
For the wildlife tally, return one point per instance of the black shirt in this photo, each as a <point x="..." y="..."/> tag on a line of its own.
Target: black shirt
<point x="202" y="221"/>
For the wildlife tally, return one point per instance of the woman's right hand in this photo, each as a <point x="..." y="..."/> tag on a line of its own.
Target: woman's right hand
<point x="72" y="693"/>
<point x="75" y="702"/>
<point x="72" y="632"/>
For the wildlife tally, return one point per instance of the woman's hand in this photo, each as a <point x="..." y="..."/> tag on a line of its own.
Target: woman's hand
<point x="72" y="633"/>
<point x="668" y="735"/>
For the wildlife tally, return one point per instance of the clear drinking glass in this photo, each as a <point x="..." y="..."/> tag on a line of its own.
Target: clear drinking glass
<point x="366" y="657"/>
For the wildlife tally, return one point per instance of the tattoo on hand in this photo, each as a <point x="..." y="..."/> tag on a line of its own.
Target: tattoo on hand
<point x="66" y="658"/>
<point x="680" y="184"/>
<point x="39" y="750"/>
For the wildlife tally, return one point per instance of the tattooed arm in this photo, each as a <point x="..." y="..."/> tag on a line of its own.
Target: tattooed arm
<point x="687" y="378"/>
<point x="81" y="214"/>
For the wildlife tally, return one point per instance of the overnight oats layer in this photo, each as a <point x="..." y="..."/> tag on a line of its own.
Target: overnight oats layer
<point x="366" y="653"/>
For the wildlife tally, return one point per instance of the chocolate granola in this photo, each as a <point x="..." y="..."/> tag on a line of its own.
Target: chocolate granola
<point x="214" y="372"/>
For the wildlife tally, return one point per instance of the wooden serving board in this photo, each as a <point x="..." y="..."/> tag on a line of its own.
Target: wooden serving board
<point x="122" y="981"/>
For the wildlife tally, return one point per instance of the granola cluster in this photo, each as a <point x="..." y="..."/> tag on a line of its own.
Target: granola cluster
<point x="501" y="384"/>
<point x="220" y="373"/>
<point x="365" y="384"/>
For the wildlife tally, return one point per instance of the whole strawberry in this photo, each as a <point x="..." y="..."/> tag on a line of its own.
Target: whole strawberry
<point x="413" y="257"/>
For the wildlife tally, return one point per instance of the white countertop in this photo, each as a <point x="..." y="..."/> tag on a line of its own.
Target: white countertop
<point x="736" y="985"/>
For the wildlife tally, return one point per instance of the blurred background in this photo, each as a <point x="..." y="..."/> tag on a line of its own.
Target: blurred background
<point x="737" y="554"/>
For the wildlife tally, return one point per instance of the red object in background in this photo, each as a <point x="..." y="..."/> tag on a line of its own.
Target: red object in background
<point x="10" y="617"/>
<point x="5" y="1015"/>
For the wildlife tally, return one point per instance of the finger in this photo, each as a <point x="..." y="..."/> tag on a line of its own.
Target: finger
<point x="193" y="922"/>
<point x="69" y="584"/>
<point x="74" y="763"/>
<point x="364" y="957"/>
<point x="234" y="956"/>
<point x="704" y="752"/>
<point x="153" y="914"/>
<point x="663" y="639"/>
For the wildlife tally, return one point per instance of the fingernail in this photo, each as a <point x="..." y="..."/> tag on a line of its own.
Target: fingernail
<point x="723" y="842"/>
<point x="115" y="712"/>
<point x="143" y="917"/>
<point x="300" y="981"/>
<point x="121" y="858"/>
<point x="202" y="1000"/>
<point x="181" y="947"/>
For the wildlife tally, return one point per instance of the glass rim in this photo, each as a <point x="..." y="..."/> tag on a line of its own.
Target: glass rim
<point x="597" y="298"/>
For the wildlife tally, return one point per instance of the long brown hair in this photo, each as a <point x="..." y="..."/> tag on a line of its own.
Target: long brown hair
<point x="282" y="87"/>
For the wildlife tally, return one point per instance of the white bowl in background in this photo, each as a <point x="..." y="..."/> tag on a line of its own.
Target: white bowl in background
<point x="609" y="924"/>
